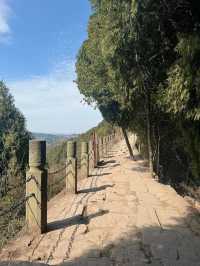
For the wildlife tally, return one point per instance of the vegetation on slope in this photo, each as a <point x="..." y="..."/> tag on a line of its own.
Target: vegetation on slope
<point x="14" y="140"/>
<point x="140" y="66"/>
<point x="57" y="154"/>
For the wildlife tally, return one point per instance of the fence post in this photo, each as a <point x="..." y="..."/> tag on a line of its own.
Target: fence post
<point x="36" y="206"/>
<point x="110" y="142"/>
<point x="91" y="157"/>
<point x="100" y="149"/>
<point x="84" y="160"/>
<point x="97" y="151"/>
<point x="106" y="146"/>
<point x="71" y="168"/>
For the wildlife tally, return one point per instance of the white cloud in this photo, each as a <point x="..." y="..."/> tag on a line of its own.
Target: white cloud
<point x="5" y="12"/>
<point x="52" y="103"/>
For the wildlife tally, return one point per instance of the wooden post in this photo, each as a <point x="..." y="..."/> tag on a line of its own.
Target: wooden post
<point x="100" y="149"/>
<point x="110" y="142"/>
<point x="106" y="146"/>
<point x="71" y="168"/>
<point x="36" y="206"/>
<point x="91" y="157"/>
<point x="84" y="160"/>
<point x="97" y="151"/>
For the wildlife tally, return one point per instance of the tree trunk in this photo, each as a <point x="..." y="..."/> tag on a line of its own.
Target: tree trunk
<point x="158" y="154"/>
<point x="149" y="134"/>
<point x="127" y="142"/>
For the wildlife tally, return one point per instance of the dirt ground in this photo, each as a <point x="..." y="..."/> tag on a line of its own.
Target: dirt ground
<point x="120" y="217"/>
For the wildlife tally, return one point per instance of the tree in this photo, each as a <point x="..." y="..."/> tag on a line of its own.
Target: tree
<point x="94" y="83"/>
<point x="140" y="65"/>
<point x="13" y="141"/>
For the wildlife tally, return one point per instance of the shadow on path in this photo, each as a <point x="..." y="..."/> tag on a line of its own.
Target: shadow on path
<point x="174" y="244"/>
<point x="95" y="189"/>
<point x="140" y="169"/>
<point x="115" y="165"/>
<point x="103" y="174"/>
<point x="109" y="157"/>
<point x="78" y="219"/>
<point x="138" y="157"/>
<point x="103" y="163"/>
<point x="20" y="263"/>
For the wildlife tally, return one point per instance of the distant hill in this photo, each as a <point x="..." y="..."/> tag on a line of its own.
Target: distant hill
<point x="52" y="138"/>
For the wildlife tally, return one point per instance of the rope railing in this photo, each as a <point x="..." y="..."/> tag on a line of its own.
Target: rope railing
<point x="59" y="180"/>
<point x="16" y="205"/>
<point x="12" y="220"/>
<point x="5" y="186"/>
<point x="56" y="181"/>
<point x="58" y="171"/>
<point x="19" y="185"/>
<point x="47" y="183"/>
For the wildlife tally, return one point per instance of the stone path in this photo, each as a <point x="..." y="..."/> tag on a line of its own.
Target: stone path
<point x="121" y="217"/>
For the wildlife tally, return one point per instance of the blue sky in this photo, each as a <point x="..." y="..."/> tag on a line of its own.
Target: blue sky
<point x="39" y="41"/>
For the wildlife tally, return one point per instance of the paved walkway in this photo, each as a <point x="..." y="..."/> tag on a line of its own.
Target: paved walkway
<point x="121" y="217"/>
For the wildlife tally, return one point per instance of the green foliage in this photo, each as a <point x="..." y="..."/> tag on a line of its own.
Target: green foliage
<point x="182" y="96"/>
<point x="13" y="141"/>
<point x="191" y="136"/>
<point x="96" y="78"/>
<point x="140" y="66"/>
